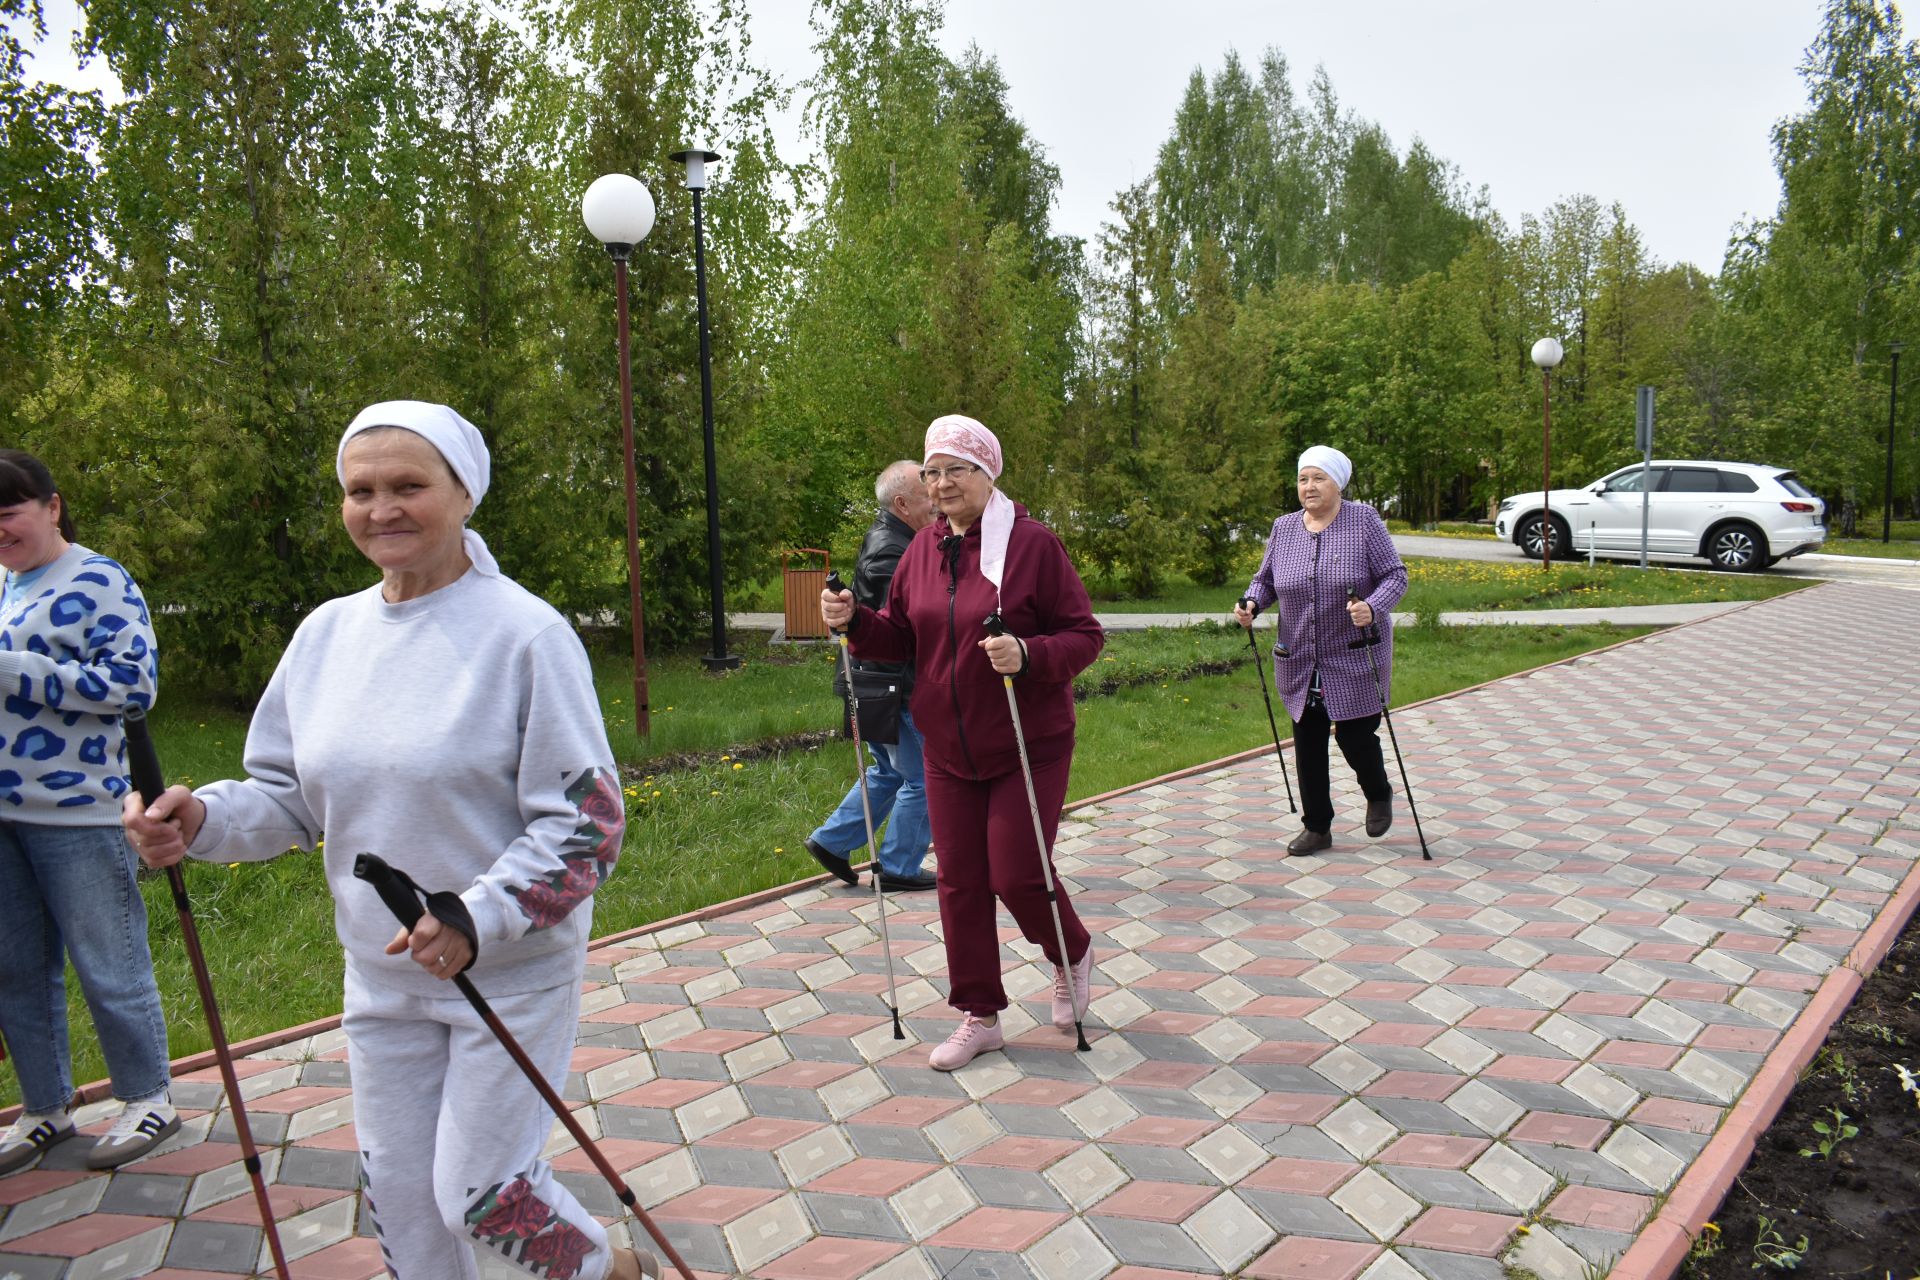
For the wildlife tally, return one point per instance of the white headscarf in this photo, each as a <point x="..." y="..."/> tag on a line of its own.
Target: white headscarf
<point x="962" y="437"/>
<point x="1336" y="464"/>
<point x="458" y="442"/>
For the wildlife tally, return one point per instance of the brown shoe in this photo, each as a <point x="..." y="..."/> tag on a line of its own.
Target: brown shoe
<point x="1379" y="816"/>
<point x="1309" y="842"/>
<point x="634" y="1264"/>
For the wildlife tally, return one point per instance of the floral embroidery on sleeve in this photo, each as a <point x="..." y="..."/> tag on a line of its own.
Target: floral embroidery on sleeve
<point x="510" y="1219"/>
<point x="587" y="856"/>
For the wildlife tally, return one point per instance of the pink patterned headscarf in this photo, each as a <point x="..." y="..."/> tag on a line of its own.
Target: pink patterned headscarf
<point x="962" y="437"/>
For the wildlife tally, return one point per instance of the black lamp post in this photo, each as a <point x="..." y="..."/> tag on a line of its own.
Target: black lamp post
<point x="1893" y="403"/>
<point x="697" y="159"/>
<point x="618" y="210"/>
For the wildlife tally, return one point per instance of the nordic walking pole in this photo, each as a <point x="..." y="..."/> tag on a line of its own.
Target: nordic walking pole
<point x="1259" y="669"/>
<point x="866" y="807"/>
<point x="1368" y="636"/>
<point x="997" y="627"/>
<point x="143" y="762"/>
<point x="402" y="896"/>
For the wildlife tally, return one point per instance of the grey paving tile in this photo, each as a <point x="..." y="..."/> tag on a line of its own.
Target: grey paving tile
<point x="1583" y="1167"/>
<point x="1537" y="1095"/>
<point x="31" y="1266"/>
<point x="1602" y="1248"/>
<point x="592" y="1191"/>
<point x="1011" y="1188"/>
<point x="890" y="1142"/>
<point x="201" y="1095"/>
<point x="1441" y="1264"/>
<point x="269" y="1129"/>
<point x="654" y="993"/>
<point x="703" y="1246"/>
<point x="1033" y="1122"/>
<point x="611" y="1035"/>
<point x="1052" y="1064"/>
<point x="1149" y="1244"/>
<point x="1301" y="1141"/>
<point x="1159" y="1048"/>
<point x="1400" y="1057"/>
<point x="1679" y="1141"/>
<point x="921" y="1081"/>
<point x="1277" y="1077"/>
<point x="863" y="1217"/>
<point x="693" y="1066"/>
<point x="213" y="1246"/>
<point x="1296" y="1215"/>
<point x="1166" y="1102"/>
<point x="1158" y="1164"/>
<point x="152" y="1195"/>
<point x="321" y="1072"/>
<point x="737" y="1167"/>
<point x="655" y="1124"/>
<point x="1416" y="1115"/>
<point x="733" y="1018"/>
<point x="319" y="1167"/>
<point x="1447" y="1187"/>
<point x="978" y="1264"/>
<point x="785" y="1104"/>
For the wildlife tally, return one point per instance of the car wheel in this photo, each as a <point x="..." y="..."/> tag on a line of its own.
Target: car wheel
<point x="1739" y="548"/>
<point x="1528" y="536"/>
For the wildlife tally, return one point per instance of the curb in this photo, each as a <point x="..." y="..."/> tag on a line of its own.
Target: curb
<point x="1663" y="1243"/>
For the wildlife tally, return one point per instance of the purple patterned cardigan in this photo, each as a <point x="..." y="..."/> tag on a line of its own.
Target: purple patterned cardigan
<point x="1309" y="574"/>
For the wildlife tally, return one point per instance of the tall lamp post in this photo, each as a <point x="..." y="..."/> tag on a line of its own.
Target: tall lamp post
<point x="697" y="159"/>
<point x="1546" y="353"/>
<point x="1893" y="402"/>
<point x="618" y="211"/>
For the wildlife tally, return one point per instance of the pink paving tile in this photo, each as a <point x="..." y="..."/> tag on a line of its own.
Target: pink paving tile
<point x="1399" y="992"/>
<point x="1710" y="992"/>
<point x="1460" y="1230"/>
<point x="829" y="1258"/>
<point x="1155" y="1201"/>
<point x="871" y="1177"/>
<point x="1747" y="942"/>
<point x="1601" y="1002"/>
<point x="714" y="1040"/>
<point x="1638" y="1053"/>
<point x="1279" y="1006"/>
<point x="714" y="1205"/>
<point x="1781" y="981"/>
<point x="1605" y="1210"/>
<point x="750" y="998"/>
<point x="84" y="1235"/>
<point x="1522" y="1067"/>
<point x="356" y="1259"/>
<point x="1290" y="1108"/>
<point x="1002" y="1230"/>
<point x="1031" y="1154"/>
<point x="1432" y="1151"/>
<point x="18" y="1187"/>
<point x="1304" y="1258"/>
<point x="664" y="1093"/>
<point x="631" y="1013"/>
<point x="1303" y="1177"/>
<point x="805" y="1075"/>
<point x="622" y="1153"/>
<point x="243" y="1068"/>
<point x="764" y="1133"/>
<point x="181" y="1273"/>
<point x="286" y="1199"/>
<point x="587" y="1057"/>
<point x="1174" y="980"/>
<point x="1554" y="1129"/>
<point x="1504" y="1019"/>
<point x="1482" y="976"/>
<point x="1165" y="1075"/>
<point x="836" y="1024"/>
<point x="1429" y="1086"/>
<point x="1400" y="1033"/>
<point x="1166" y="1023"/>
<point x="1668" y="1113"/>
<point x="1293" y="1053"/>
<point x="912" y="1113"/>
<point x="1035" y="1092"/>
<point x="1744" y="1039"/>
<point x="288" y="1101"/>
<point x="1163" y="1131"/>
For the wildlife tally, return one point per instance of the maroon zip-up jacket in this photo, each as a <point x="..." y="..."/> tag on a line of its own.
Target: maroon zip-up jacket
<point x="934" y="617"/>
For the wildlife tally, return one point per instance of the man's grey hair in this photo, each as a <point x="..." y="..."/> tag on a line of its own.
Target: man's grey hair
<point x="898" y="479"/>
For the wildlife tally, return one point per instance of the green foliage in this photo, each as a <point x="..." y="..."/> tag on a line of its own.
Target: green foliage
<point x="1828" y="1136"/>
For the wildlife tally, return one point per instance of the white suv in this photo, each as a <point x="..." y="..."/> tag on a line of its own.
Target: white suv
<point x="1735" y="514"/>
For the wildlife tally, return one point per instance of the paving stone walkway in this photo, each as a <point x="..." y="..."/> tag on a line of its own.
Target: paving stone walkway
<point x="1354" y="1065"/>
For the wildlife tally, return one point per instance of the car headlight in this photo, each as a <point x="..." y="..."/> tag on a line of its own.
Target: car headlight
<point x="1506" y="504"/>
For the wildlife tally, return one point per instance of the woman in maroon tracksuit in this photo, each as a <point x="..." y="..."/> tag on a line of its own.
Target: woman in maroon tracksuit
<point x="983" y="555"/>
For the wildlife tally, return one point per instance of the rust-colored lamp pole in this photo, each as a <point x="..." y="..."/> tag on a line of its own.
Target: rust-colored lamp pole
<point x="1546" y="353"/>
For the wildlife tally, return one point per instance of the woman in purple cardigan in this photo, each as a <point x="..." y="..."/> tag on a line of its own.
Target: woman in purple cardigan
<point x="1315" y="558"/>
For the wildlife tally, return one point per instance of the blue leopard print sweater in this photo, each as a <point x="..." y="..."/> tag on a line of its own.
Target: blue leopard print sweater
<point x="76" y="648"/>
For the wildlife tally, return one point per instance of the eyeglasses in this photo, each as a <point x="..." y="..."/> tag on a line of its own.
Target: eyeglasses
<point x="956" y="473"/>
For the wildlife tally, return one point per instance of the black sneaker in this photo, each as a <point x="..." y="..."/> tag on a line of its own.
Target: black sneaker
<point x="833" y="862"/>
<point x="906" y="884"/>
<point x="30" y="1135"/>
<point x="140" y="1127"/>
<point x="1309" y="842"/>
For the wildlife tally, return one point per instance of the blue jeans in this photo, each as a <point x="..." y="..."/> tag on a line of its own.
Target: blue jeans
<point x="896" y="784"/>
<point x="71" y="891"/>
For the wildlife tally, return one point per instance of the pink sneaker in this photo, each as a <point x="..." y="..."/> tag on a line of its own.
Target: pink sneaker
<point x="972" y="1039"/>
<point x="1066" y="999"/>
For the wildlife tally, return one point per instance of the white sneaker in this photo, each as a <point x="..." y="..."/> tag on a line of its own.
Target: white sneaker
<point x="30" y="1135"/>
<point x="139" y="1128"/>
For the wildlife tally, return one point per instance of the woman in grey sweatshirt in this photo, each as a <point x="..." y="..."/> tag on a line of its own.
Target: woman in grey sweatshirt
<point x="445" y="719"/>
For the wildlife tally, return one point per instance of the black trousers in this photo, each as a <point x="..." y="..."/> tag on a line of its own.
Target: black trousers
<point x="1359" y="742"/>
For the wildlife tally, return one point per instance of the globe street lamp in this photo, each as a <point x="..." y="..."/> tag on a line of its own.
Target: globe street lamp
<point x="1546" y="353"/>
<point x="618" y="211"/>
<point x="697" y="159"/>
<point x="1893" y="402"/>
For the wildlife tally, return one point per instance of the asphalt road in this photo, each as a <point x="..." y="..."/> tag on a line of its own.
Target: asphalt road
<point x="1885" y="573"/>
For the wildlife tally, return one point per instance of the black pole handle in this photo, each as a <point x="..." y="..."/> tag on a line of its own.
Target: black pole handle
<point x="1369" y="636"/>
<point x="143" y="762"/>
<point x="995" y="624"/>
<point x="399" y="897"/>
<point x="834" y="584"/>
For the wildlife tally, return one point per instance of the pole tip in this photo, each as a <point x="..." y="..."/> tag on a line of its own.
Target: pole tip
<point x="1083" y="1046"/>
<point x="898" y="1034"/>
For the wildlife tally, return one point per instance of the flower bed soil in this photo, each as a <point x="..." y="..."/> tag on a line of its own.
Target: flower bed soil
<point x="1857" y="1208"/>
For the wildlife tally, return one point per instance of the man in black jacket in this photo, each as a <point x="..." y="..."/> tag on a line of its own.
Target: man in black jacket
<point x="896" y="778"/>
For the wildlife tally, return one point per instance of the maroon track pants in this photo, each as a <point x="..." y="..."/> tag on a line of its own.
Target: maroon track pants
<point x="983" y="839"/>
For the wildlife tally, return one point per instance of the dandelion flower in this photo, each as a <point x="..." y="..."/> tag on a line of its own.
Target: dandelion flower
<point x="739" y="766"/>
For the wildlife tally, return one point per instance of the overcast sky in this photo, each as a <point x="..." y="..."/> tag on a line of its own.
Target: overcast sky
<point x="1666" y="106"/>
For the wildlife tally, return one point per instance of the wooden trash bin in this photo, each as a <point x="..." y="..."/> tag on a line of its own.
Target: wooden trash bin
<point x="800" y="589"/>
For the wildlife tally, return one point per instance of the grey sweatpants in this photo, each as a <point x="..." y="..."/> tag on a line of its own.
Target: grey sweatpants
<point x="451" y="1133"/>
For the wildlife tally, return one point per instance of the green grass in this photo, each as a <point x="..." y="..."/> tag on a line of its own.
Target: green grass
<point x="708" y="823"/>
